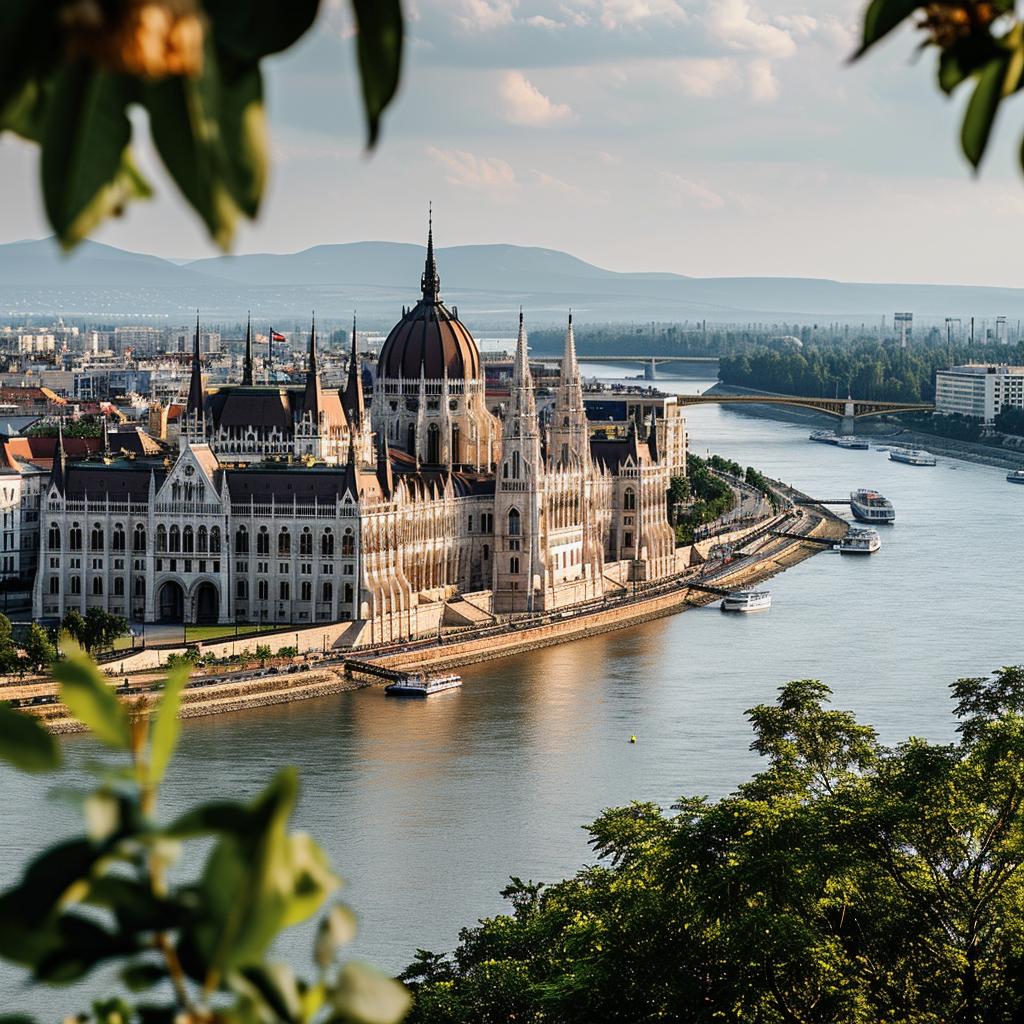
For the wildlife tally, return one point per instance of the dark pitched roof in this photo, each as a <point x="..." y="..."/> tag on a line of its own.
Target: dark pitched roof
<point x="120" y="481"/>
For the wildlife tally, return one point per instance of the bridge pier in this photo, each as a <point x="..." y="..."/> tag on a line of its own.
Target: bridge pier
<point x="846" y="426"/>
<point x="651" y="371"/>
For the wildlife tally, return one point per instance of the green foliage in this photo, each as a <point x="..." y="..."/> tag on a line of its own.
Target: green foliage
<point x="87" y="426"/>
<point x="846" y="882"/>
<point x="287" y="652"/>
<point x="263" y="653"/>
<point x="761" y="483"/>
<point x="99" y="629"/>
<point x="712" y="497"/>
<point x="8" y="648"/>
<point x="982" y="41"/>
<point x="71" y="71"/>
<point x="39" y="649"/>
<point x="1010" y="421"/>
<point x="191" y="949"/>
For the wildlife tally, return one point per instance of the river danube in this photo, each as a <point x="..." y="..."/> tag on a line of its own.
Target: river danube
<point x="427" y="808"/>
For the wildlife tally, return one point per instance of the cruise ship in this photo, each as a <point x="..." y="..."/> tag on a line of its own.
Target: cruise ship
<point x="747" y="601"/>
<point x="859" y="540"/>
<point x="871" y="507"/>
<point x="1016" y="476"/>
<point x="912" y="456"/>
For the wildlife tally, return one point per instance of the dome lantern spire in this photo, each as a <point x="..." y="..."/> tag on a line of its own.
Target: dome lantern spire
<point x="431" y="283"/>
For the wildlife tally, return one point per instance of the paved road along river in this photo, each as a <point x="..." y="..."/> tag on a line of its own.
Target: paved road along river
<point x="427" y="808"/>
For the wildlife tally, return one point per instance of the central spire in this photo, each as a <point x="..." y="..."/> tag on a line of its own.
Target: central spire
<point x="354" y="409"/>
<point x="313" y="400"/>
<point x="247" y="366"/>
<point x="430" y="283"/>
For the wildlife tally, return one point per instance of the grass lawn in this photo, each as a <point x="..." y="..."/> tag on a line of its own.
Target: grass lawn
<point x="199" y="633"/>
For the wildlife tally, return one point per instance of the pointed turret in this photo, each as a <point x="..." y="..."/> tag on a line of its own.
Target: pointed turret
<point x="351" y="477"/>
<point x="354" y="408"/>
<point x="60" y="460"/>
<point x="194" y="405"/>
<point x="570" y="435"/>
<point x="247" y="374"/>
<point x="313" y="399"/>
<point x="430" y="282"/>
<point x="652" y="436"/>
<point x="570" y="368"/>
<point x="522" y="405"/>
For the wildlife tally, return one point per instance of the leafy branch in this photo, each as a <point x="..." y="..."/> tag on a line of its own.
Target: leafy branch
<point x="192" y="952"/>
<point x="71" y="69"/>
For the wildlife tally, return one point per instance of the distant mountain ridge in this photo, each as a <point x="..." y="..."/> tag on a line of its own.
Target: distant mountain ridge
<point x="488" y="282"/>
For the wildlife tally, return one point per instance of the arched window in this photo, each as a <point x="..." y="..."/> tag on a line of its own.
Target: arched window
<point x="54" y="537"/>
<point x="327" y="544"/>
<point x="188" y="541"/>
<point x="433" y="444"/>
<point x="117" y="540"/>
<point x="263" y="542"/>
<point x="241" y="541"/>
<point x="76" y="584"/>
<point x="175" y="540"/>
<point x="215" y="540"/>
<point x="515" y="465"/>
<point x="306" y="542"/>
<point x="306" y="591"/>
<point x="504" y="470"/>
<point x="328" y="591"/>
<point x="348" y="593"/>
<point x="140" y="537"/>
<point x="284" y="590"/>
<point x="54" y="584"/>
<point x="629" y="499"/>
<point x="456" y="443"/>
<point x="513" y="564"/>
<point x="118" y="586"/>
<point x="627" y="539"/>
<point x="75" y="537"/>
<point x="284" y="542"/>
<point x="348" y="544"/>
<point x="411" y="448"/>
<point x="161" y="538"/>
<point x="242" y="590"/>
<point x="262" y="590"/>
<point x="96" y="540"/>
<point x="201" y="545"/>
<point x="515" y="523"/>
<point x="140" y="586"/>
<point x="97" y="585"/>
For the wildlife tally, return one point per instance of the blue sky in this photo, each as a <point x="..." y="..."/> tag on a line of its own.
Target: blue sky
<point x="702" y="137"/>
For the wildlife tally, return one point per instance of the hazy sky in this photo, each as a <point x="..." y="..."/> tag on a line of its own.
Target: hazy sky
<point x="704" y="137"/>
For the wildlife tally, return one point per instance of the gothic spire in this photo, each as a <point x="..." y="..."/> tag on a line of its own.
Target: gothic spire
<point x="247" y="376"/>
<point x="313" y="399"/>
<point x="652" y="437"/>
<point x="570" y="368"/>
<point x="194" y="405"/>
<point x="384" y="475"/>
<point x="354" y="407"/>
<point x="60" y="459"/>
<point x="431" y="283"/>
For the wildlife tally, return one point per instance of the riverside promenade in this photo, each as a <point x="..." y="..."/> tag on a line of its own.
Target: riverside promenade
<point x="730" y="560"/>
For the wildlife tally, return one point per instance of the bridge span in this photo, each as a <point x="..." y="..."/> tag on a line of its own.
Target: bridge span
<point x="846" y="409"/>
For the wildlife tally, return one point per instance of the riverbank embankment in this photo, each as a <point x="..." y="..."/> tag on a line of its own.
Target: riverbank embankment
<point x="728" y="561"/>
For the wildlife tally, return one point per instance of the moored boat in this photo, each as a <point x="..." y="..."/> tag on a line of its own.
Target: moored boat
<point x="418" y="684"/>
<point x="1016" y="476"/>
<point x="859" y="540"/>
<point x="824" y="437"/>
<point x="912" y="456"/>
<point x="747" y="601"/>
<point x="853" y="444"/>
<point x="871" y="507"/>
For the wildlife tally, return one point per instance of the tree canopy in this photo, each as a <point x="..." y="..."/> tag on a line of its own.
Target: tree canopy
<point x="847" y="881"/>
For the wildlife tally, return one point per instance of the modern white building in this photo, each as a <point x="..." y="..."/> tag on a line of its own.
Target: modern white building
<point x="979" y="391"/>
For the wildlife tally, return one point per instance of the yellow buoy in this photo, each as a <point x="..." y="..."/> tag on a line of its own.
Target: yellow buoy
<point x="632" y="739"/>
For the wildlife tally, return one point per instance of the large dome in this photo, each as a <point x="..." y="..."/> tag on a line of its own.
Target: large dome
<point x="430" y="339"/>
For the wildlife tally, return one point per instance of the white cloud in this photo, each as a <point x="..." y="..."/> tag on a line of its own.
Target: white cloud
<point x="617" y="13"/>
<point x="526" y="104"/>
<point x="740" y="26"/>
<point x="683" y="192"/>
<point x="483" y="173"/>
<point x="480" y="16"/>
<point x="571" y="193"/>
<point x="539" y="21"/>
<point x="706" y="77"/>
<point x="763" y="85"/>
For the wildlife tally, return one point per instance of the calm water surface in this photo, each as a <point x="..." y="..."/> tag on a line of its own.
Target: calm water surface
<point x="427" y="808"/>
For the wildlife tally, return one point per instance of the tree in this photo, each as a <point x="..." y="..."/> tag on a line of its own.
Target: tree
<point x="101" y="629"/>
<point x="70" y="70"/>
<point x="189" y="950"/>
<point x="8" y="648"/>
<point x="39" y="649"/>
<point x="978" y="40"/>
<point x="847" y="881"/>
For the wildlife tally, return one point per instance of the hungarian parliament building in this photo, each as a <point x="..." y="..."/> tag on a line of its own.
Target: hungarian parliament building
<point x="434" y="503"/>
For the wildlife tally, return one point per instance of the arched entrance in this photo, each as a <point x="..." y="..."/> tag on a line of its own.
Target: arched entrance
<point x="207" y="603"/>
<point x="172" y="603"/>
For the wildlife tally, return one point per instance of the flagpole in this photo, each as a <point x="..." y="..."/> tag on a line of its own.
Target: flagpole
<point x="270" y="353"/>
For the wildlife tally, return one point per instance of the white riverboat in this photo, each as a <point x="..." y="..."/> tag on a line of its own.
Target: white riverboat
<point x="912" y="456"/>
<point x="418" y="684"/>
<point x="747" y="601"/>
<point x="871" y="507"/>
<point x="853" y="444"/>
<point x="1016" y="476"/>
<point x="859" y="540"/>
<point x="824" y="437"/>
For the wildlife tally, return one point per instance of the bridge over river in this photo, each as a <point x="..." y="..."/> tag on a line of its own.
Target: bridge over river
<point x="846" y="409"/>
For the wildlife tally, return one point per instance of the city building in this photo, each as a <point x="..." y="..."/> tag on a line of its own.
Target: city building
<point x="979" y="391"/>
<point x="299" y="505"/>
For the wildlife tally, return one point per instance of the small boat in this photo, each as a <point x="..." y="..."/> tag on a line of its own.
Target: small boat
<point x="418" y="684"/>
<point x="1016" y="476"/>
<point x="824" y="437"/>
<point x="859" y="540"/>
<point x="747" y="601"/>
<point x="853" y="444"/>
<point x="912" y="456"/>
<point x="871" y="507"/>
